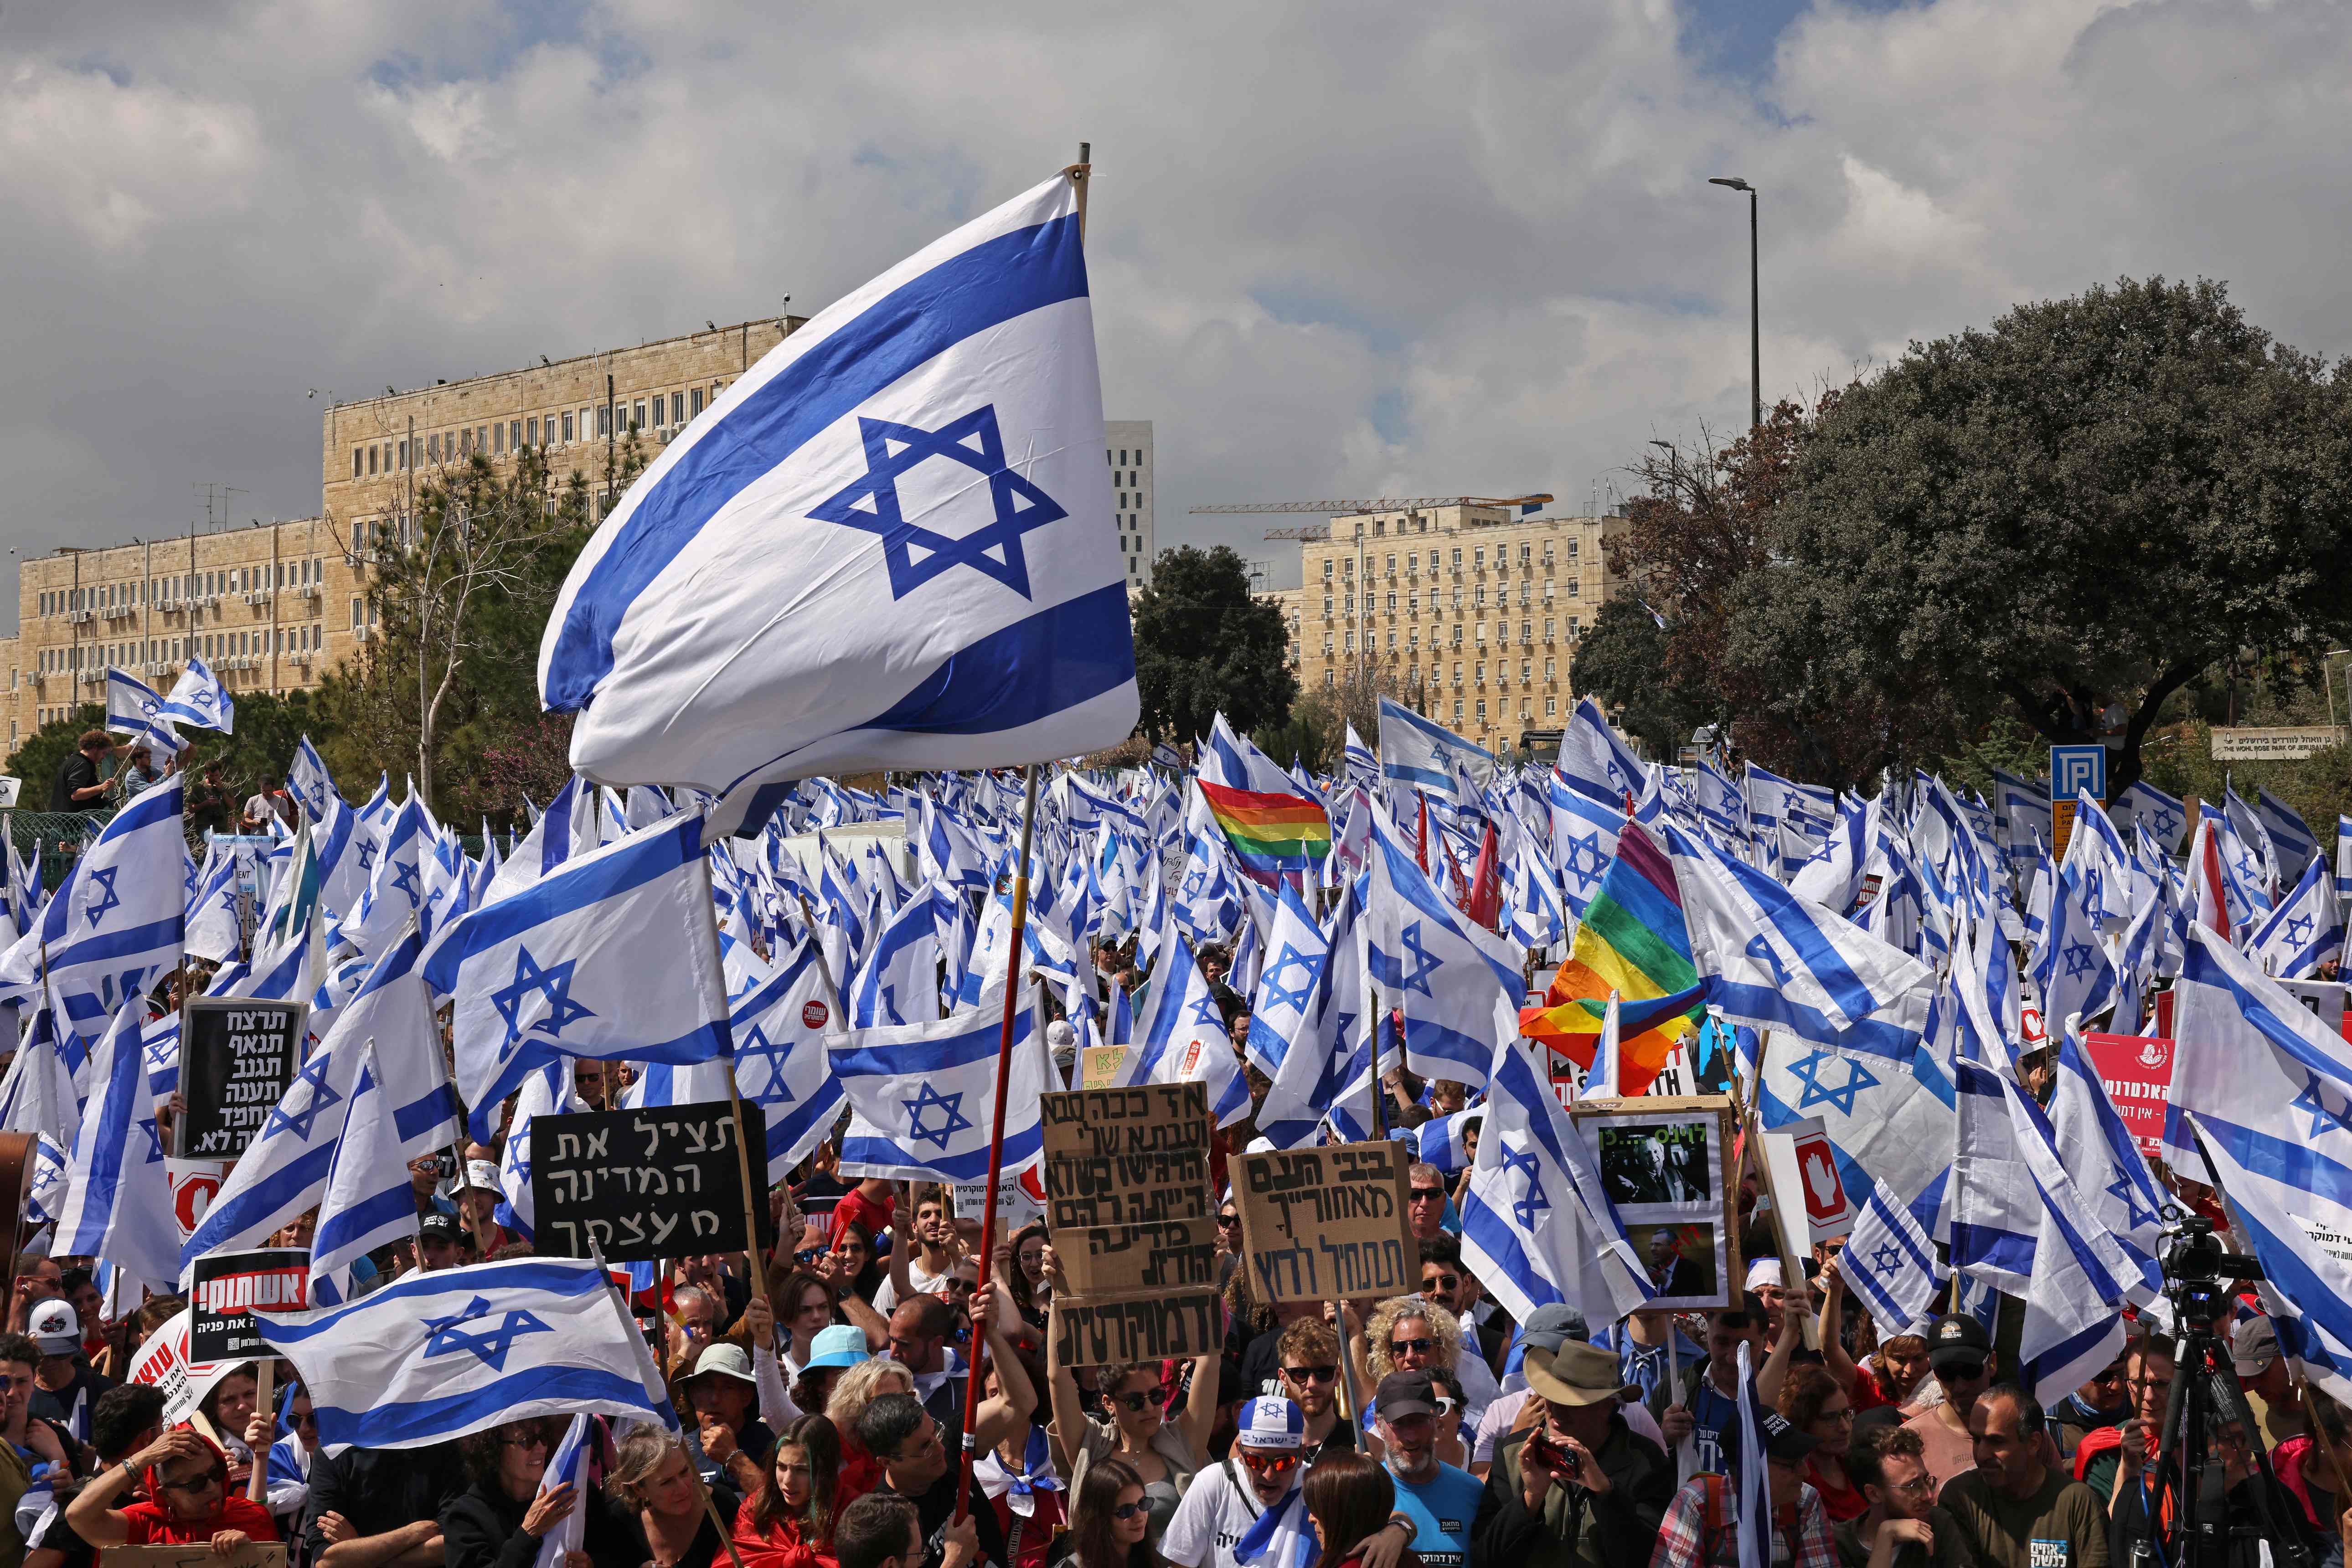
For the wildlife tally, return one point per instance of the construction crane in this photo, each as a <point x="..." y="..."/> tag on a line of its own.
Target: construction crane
<point x="1312" y="532"/>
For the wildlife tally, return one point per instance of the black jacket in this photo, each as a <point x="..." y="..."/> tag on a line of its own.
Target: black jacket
<point x="481" y="1527"/>
<point x="380" y="1489"/>
<point x="1623" y="1520"/>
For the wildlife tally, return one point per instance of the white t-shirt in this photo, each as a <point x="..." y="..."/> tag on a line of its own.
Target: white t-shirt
<point x="1495" y="1424"/>
<point x="887" y="1296"/>
<point x="1216" y="1512"/>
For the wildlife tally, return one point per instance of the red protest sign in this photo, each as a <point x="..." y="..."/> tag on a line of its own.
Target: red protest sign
<point x="2137" y="1071"/>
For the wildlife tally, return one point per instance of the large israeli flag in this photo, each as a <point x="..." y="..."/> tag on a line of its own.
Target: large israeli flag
<point x="1458" y="984"/>
<point x="1423" y="754"/>
<point x="888" y="544"/>
<point x="369" y="1201"/>
<point x="115" y="923"/>
<point x="616" y="955"/>
<point x="136" y="709"/>
<point x="434" y="1356"/>
<point x="119" y="1202"/>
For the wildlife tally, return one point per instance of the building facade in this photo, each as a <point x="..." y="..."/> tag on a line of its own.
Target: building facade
<point x="271" y="608"/>
<point x="1127" y="443"/>
<point x="1470" y="615"/>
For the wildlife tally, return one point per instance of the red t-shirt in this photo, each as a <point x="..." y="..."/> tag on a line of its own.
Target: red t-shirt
<point x="856" y="1208"/>
<point x="152" y="1526"/>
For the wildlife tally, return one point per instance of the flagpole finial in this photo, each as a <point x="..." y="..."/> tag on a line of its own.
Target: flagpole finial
<point x="1080" y="173"/>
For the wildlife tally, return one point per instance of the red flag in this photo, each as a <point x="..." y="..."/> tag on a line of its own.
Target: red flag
<point x="1420" y="833"/>
<point x="1485" y="904"/>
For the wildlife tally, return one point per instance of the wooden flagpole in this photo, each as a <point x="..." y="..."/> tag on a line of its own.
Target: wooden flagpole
<point x="972" y="1383"/>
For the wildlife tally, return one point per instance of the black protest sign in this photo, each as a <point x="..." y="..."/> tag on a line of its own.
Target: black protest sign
<point x="224" y="1288"/>
<point x="1128" y="1207"/>
<point x="1148" y="1329"/>
<point x="236" y="1057"/>
<point x="1329" y="1223"/>
<point x="663" y="1182"/>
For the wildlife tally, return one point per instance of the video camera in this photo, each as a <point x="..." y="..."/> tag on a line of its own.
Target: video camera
<point x="2197" y="1270"/>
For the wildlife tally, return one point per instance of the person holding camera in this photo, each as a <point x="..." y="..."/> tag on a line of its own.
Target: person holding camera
<point x="1578" y="1486"/>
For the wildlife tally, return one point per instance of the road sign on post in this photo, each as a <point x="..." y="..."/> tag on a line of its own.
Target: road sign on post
<point x="2074" y="771"/>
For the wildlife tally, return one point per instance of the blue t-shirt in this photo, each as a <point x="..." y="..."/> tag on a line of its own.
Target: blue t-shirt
<point x="1440" y="1507"/>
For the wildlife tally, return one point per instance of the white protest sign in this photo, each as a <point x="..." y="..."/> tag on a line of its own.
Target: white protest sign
<point x="163" y="1361"/>
<point x="1810" y="1201"/>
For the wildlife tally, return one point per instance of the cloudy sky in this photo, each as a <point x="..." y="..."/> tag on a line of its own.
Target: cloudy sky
<point x="1348" y="249"/>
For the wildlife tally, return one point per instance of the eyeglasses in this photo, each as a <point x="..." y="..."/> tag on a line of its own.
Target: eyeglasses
<point x="1139" y="1402"/>
<point x="1323" y="1373"/>
<point x="1441" y="1281"/>
<point x="2112" y="1375"/>
<point x="1127" y="1511"/>
<point x="1267" y="1464"/>
<point x="1427" y="1195"/>
<point x="1843" y="1417"/>
<point x="1418" y="1347"/>
<point x="1922" y="1486"/>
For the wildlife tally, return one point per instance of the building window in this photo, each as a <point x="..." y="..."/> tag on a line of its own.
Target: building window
<point x="1481" y="632"/>
<point x="567" y="427"/>
<point x="1330" y="678"/>
<point x="1478" y="558"/>
<point x="695" y="406"/>
<point x="1457" y="557"/>
<point x="678" y="407"/>
<point x="1572" y="633"/>
<point x="1552" y="707"/>
<point x="356" y="461"/>
<point x="1327" y="570"/>
<point x="637" y="422"/>
<point x="1482" y="710"/>
<point x="358" y="609"/>
<point x="1571" y="550"/>
<point x="1392" y="566"/>
<point x="1457" y="710"/>
<point x="1574" y="587"/>
<point x="1458" y="634"/>
<point x="530" y="429"/>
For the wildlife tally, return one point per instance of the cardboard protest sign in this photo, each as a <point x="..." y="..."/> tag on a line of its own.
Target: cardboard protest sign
<point x="1329" y="1223"/>
<point x="224" y="1288"/>
<point x="644" y="1185"/>
<point x="1132" y="1220"/>
<point x="163" y="1361"/>
<point x="252" y="1554"/>
<point x="236" y="1057"/>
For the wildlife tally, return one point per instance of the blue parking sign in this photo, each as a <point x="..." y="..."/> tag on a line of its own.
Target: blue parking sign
<point x="2078" y="770"/>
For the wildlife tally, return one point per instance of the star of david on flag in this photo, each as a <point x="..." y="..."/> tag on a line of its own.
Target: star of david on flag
<point x="198" y="698"/>
<point x="941" y="1131"/>
<point x="434" y="1356"/>
<point x="835" y="568"/>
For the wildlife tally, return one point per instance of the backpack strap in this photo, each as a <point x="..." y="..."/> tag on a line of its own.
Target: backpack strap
<point x="1711" y="1522"/>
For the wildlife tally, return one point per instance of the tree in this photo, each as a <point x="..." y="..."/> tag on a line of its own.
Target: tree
<point x="2096" y="500"/>
<point x="1202" y="644"/>
<point x="1622" y="663"/>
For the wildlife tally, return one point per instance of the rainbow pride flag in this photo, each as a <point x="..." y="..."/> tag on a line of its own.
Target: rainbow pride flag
<point x="1633" y="941"/>
<point x="1269" y="832"/>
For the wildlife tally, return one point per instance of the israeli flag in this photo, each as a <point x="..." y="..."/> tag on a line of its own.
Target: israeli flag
<point x="116" y="923"/>
<point x="2290" y="838"/>
<point x="312" y="785"/>
<point x="2304" y="932"/>
<point x="886" y="545"/>
<point x="396" y="891"/>
<point x="39" y="1096"/>
<point x="1458" y="985"/>
<point x="1283" y="1014"/>
<point x="1184" y="1038"/>
<point x="284" y="1170"/>
<point x="2306" y="1287"/>
<point x="568" y="1466"/>
<point x="2166" y="817"/>
<point x="923" y="1096"/>
<point x="548" y="1091"/>
<point x="899" y="983"/>
<point x="199" y="698"/>
<point x="1890" y="1262"/>
<point x="431" y="1357"/>
<point x="2072" y="967"/>
<point x="212" y="929"/>
<point x="614" y="956"/>
<point x="780" y="1061"/>
<point x="137" y="708"/>
<point x="1326" y="1073"/>
<point x="1422" y="754"/>
<point x="369" y="1201"/>
<point x="118" y="1201"/>
<point x="1360" y="768"/>
<point x="2271" y="1086"/>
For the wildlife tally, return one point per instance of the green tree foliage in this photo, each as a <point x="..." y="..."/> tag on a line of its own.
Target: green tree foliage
<point x="1622" y="664"/>
<point x="2099" y="497"/>
<point x="1203" y="643"/>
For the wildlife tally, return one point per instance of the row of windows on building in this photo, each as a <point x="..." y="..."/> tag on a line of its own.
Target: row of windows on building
<point x="305" y="639"/>
<point x="183" y="585"/>
<point x="1502" y="709"/>
<point x="1477" y="597"/>
<point x="590" y="421"/>
<point x="1413" y="636"/>
<point x="1345" y="566"/>
<point x="1437" y="672"/>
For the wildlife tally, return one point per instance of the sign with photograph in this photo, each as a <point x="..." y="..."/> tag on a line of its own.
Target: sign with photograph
<point x="1663" y="1163"/>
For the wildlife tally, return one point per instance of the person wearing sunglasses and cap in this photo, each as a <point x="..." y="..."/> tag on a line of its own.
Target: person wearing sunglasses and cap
<point x="1578" y="1485"/>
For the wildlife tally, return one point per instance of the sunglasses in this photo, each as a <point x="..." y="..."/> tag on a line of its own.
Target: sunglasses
<point x="536" y="1441"/>
<point x="1961" y="1372"/>
<point x="1228" y="1221"/>
<point x="1427" y="1195"/>
<point x="1137" y="1402"/>
<point x="1126" y="1511"/>
<point x="202" y="1481"/>
<point x="306" y="1418"/>
<point x="1441" y="1282"/>
<point x="1323" y="1373"/>
<point x="962" y="1287"/>
<point x="1267" y="1464"/>
<point x="1418" y="1347"/>
<point x="2112" y="1375"/>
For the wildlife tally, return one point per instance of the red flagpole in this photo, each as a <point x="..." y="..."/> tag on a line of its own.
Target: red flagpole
<point x="972" y="1380"/>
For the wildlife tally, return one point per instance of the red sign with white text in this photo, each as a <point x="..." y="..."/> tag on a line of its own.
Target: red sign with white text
<point x="2137" y="1071"/>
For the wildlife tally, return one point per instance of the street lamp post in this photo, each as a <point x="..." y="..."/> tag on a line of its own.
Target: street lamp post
<point x="1755" y="332"/>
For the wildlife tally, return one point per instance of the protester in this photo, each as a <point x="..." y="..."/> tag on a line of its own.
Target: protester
<point x="1901" y="1526"/>
<point x="1441" y="1499"/>
<point x="1577" y="1485"/>
<point x="190" y="1503"/>
<point x="1226" y="1502"/>
<point x="1412" y="1333"/>
<point x="1964" y="1364"/>
<point x="658" y="1514"/>
<point x="2104" y="1400"/>
<point x="1812" y="1402"/>
<point x="2012" y="1506"/>
<point x="1309" y="1358"/>
<point x="2264" y="1379"/>
<point x="787" y="1522"/>
<point x="906" y="1440"/>
<point x="1702" y="1526"/>
<point x="1710" y="1401"/>
<point x="65" y="1388"/>
<point x="503" y="1514"/>
<point x="854" y="1392"/>
<point x="2110" y="1458"/>
<point x="80" y="784"/>
<point x="1107" y="1522"/>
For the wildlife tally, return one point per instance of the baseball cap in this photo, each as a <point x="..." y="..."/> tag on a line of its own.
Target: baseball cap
<point x="55" y="1328"/>
<point x="1576" y="1374"/>
<point x="2253" y="1345"/>
<point x="725" y="1360"/>
<point x="842" y="1344"/>
<point x="1405" y="1393"/>
<point x="1956" y="1339"/>
<point x="439" y="1227"/>
<point x="1271" y="1421"/>
<point x="1549" y="1327"/>
<point x="1781" y="1441"/>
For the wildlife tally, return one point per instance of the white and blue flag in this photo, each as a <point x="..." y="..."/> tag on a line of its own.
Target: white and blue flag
<point x="780" y="1058"/>
<point x="613" y="955"/>
<point x="1182" y="1038"/>
<point x="886" y="545"/>
<point x="137" y="709"/>
<point x="568" y="1466"/>
<point x="115" y="924"/>
<point x="198" y="698"/>
<point x="2305" y="930"/>
<point x="1457" y="984"/>
<point x="431" y="1357"/>
<point x="1422" y="754"/>
<point x="923" y="1096"/>
<point x="369" y="1201"/>
<point x="307" y="779"/>
<point x="118" y="1204"/>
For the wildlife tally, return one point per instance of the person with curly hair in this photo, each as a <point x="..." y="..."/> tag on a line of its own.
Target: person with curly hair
<point x="657" y="1514"/>
<point x="500" y="1520"/>
<point x="1413" y="1334"/>
<point x="1815" y="1404"/>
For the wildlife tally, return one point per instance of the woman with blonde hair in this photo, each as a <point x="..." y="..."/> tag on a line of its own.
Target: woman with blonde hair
<point x="1414" y="1333"/>
<point x="852" y="1390"/>
<point x="657" y="1515"/>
